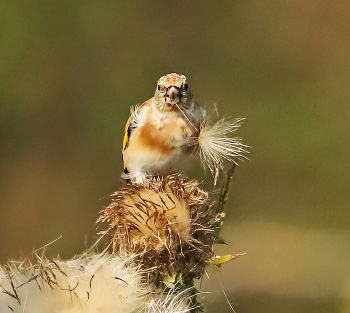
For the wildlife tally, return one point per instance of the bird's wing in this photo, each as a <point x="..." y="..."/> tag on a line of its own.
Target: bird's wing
<point x="131" y="123"/>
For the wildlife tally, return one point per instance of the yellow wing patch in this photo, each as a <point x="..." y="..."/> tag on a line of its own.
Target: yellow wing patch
<point x="128" y="130"/>
<point x="126" y="134"/>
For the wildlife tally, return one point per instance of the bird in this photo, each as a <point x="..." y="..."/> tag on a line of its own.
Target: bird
<point x="165" y="133"/>
<point x="159" y="133"/>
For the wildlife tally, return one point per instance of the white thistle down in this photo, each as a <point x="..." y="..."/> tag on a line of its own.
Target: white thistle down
<point x="171" y="303"/>
<point x="215" y="145"/>
<point x="89" y="284"/>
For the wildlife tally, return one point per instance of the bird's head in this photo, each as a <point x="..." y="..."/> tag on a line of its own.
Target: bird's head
<point x="172" y="93"/>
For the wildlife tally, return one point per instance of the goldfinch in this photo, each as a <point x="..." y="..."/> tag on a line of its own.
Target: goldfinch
<point x="163" y="133"/>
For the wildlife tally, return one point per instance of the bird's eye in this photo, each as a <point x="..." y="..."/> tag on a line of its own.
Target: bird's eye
<point x="161" y="88"/>
<point x="185" y="86"/>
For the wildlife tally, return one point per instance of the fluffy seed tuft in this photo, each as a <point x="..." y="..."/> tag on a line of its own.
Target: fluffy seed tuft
<point x="89" y="283"/>
<point x="215" y="145"/>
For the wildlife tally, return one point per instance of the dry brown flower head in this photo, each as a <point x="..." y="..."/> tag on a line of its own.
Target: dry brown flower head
<point x="168" y="220"/>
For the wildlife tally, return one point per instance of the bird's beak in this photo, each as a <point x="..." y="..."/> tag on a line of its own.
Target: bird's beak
<point x="172" y="97"/>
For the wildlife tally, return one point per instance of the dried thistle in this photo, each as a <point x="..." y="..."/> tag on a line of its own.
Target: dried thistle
<point x="88" y="283"/>
<point x="92" y="282"/>
<point x="168" y="221"/>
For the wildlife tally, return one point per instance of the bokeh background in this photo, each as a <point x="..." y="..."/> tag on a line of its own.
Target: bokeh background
<point x="70" y="70"/>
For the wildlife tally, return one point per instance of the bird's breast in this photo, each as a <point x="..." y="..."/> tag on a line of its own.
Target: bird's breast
<point x="166" y="137"/>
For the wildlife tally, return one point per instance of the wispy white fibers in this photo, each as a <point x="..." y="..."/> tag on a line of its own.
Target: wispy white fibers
<point x="216" y="145"/>
<point x="93" y="283"/>
<point x="172" y="302"/>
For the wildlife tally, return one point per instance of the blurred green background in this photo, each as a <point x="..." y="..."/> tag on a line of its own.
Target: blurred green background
<point x="70" y="70"/>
